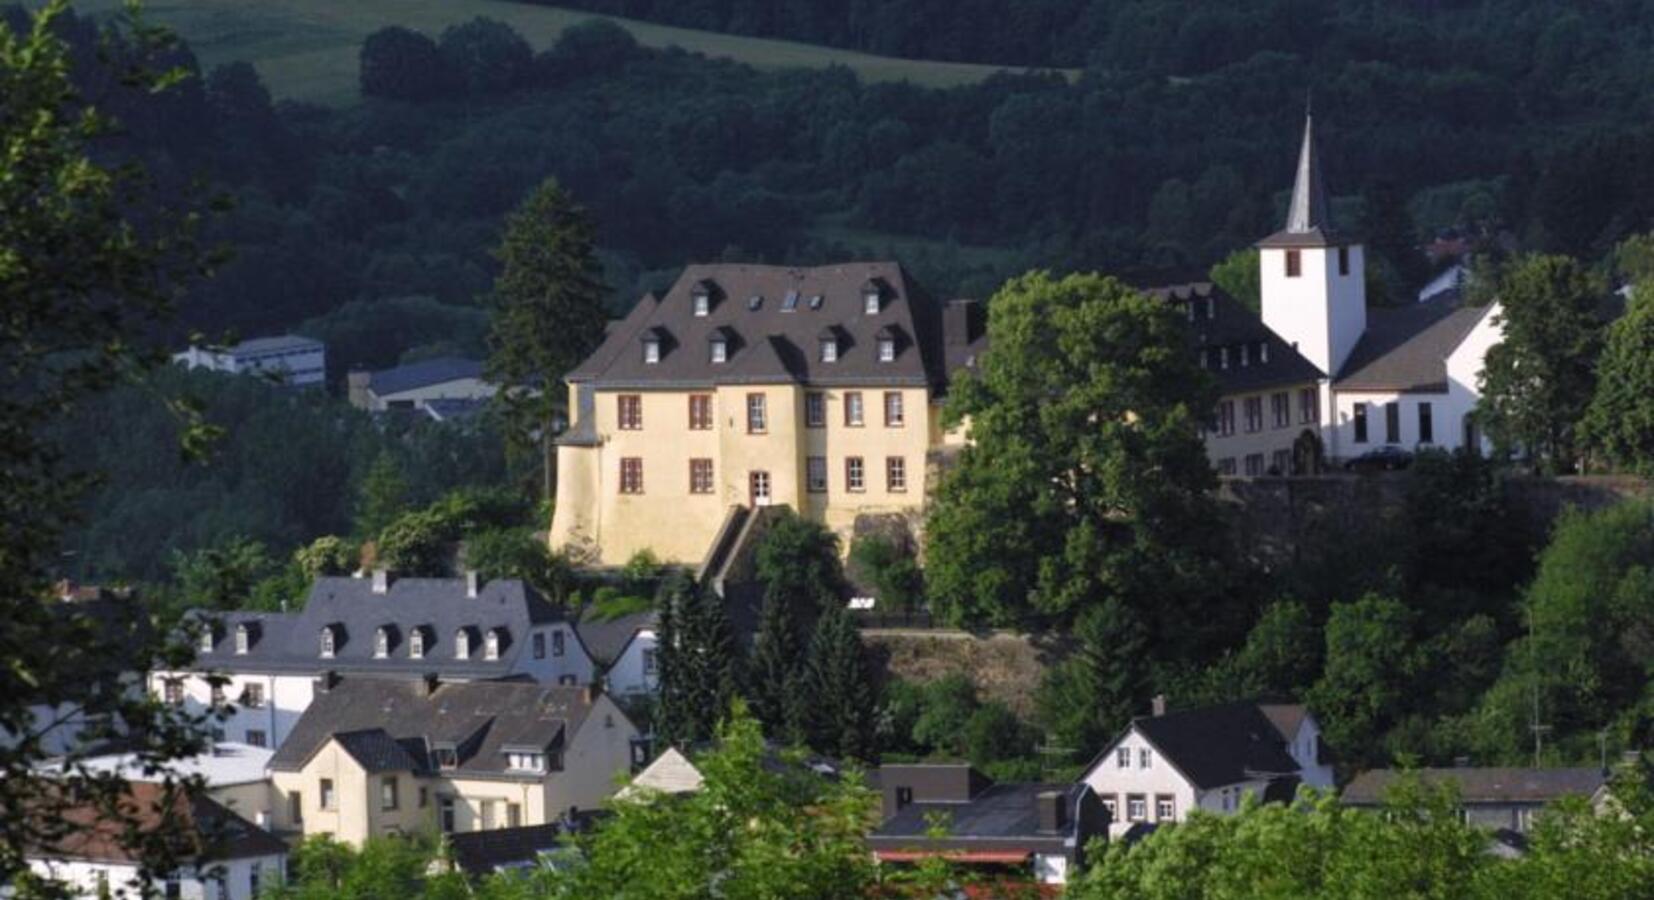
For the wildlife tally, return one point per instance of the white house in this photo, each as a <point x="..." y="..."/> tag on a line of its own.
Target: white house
<point x="288" y="358"/>
<point x="415" y="385"/>
<point x="457" y="629"/>
<point x="1356" y="378"/>
<point x="623" y="649"/>
<point x="236" y="860"/>
<point x="1169" y="763"/>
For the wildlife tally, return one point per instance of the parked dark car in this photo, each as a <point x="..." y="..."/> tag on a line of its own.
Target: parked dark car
<point x="1381" y="459"/>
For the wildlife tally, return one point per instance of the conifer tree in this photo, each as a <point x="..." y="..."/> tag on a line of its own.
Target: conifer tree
<point x="774" y="683"/>
<point x="840" y="689"/>
<point x="699" y="663"/>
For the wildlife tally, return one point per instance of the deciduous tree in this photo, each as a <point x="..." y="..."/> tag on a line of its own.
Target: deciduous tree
<point x="1621" y="418"/>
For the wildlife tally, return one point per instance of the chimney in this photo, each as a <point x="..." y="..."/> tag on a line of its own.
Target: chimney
<point x="1053" y="811"/>
<point x="382" y="581"/>
<point x="957" y="318"/>
<point x="1158" y="704"/>
<point x="473" y="583"/>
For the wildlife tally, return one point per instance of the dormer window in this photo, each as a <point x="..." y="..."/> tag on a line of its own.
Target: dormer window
<point x="871" y="295"/>
<point x="701" y="297"/>
<point x="206" y="640"/>
<point x="651" y="350"/>
<point x="328" y="642"/>
<point x="462" y="644"/>
<point x="720" y="350"/>
<point x="887" y="349"/>
<point x="526" y="762"/>
<point x="1263" y="351"/>
<point x="243" y="640"/>
<point x="416" y="644"/>
<point x="829" y="349"/>
<point x="491" y="645"/>
<point x="381" y="643"/>
<point x="446" y="756"/>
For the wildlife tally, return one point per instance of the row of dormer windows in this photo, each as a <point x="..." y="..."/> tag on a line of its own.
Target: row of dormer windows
<point x="723" y="343"/>
<point x="1235" y="355"/>
<point x="706" y="294"/>
<point x="629" y="411"/>
<point x="384" y="639"/>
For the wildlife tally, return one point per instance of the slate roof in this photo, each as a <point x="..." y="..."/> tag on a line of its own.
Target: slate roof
<point x="290" y="642"/>
<point x="480" y="719"/>
<point x="1309" y="214"/>
<point x="210" y="831"/>
<point x="284" y="343"/>
<point x="772" y="340"/>
<point x="376" y="751"/>
<point x="1405" y="349"/>
<point x="999" y="811"/>
<point x="1484" y="785"/>
<point x="606" y="639"/>
<point x="1216" y="745"/>
<point x="423" y="374"/>
<point x="1232" y="325"/>
<point x="482" y="853"/>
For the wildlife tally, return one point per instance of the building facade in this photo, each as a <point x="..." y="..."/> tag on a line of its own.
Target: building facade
<point x="755" y="386"/>
<point x="373" y="757"/>
<point x="288" y="359"/>
<point x="459" y="629"/>
<point x="445" y="381"/>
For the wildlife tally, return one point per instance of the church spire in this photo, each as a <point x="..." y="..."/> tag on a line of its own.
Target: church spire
<point x="1309" y="210"/>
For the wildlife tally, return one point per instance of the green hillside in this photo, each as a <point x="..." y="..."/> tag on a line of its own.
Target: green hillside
<point x="306" y="49"/>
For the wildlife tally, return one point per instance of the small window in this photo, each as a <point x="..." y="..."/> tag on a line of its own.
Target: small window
<point x="720" y="350"/>
<point x="629" y="412"/>
<point x="1254" y="465"/>
<point x="416" y="644"/>
<point x="1254" y="414"/>
<point x="1343" y="260"/>
<point x="1165" y="808"/>
<point x="870" y="301"/>
<point x="1359" y="415"/>
<point x="700" y="476"/>
<point x="381" y="643"/>
<point x="1122" y="758"/>
<point x="1223" y="357"/>
<point x="243" y="640"/>
<point x="895" y="474"/>
<point x="206" y="641"/>
<point x="757" y="414"/>
<point x="252" y="696"/>
<point x="1226" y="418"/>
<point x="1280" y="406"/>
<point x="1392" y="423"/>
<point x="1294" y="264"/>
<point x="651" y="351"/>
<point x="894" y="415"/>
<point x="1427" y="427"/>
<point x="829" y="350"/>
<point x="855" y="475"/>
<point x="815" y="474"/>
<point x="703" y="303"/>
<point x="327" y="643"/>
<point x="1211" y="309"/>
<point x="631" y="475"/>
<point x="462" y="644"/>
<point x="513" y="815"/>
<point x="329" y="801"/>
<point x="539" y="644"/>
<point x="387" y="792"/>
<point x="173" y="690"/>
<point x="446" y="757"/>
<point x="557" y="643"/>
<point x="700" y="412"/>
<point x="815" y="409"/>
<point x="1145" y="758"/>
<point x="526" y="762"/>
<point x="853" y="412"/>
<point x="491" y="645"/>
<point x="1137" y="808"/>
<point x="887" y="349"/>
<point x="255" y="737"/>
<point x="1309" y="406"/>
<point x="1263" y="352"/>
<point x="649" y="661"/>
<point x="295" y="807"/>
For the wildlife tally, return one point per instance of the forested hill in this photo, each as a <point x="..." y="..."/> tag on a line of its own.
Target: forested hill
<point x="341" y="215"/>
<point x="1523" y="42"/>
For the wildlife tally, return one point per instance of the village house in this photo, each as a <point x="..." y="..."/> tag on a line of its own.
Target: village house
<point x="1031" y="830"/>
<point x="224" y="857"/>
<point x="745" y="386"/>
<point x="1503" y="799"/>
<point x="373" y="757"/>
<point x="287" y="359"/>
<point x="451" y="382"/>
<point x="623" y="650"/>
<point x="381" y="626"/>
<point x="233" y="775"/>
<point x="1169" y="763"/>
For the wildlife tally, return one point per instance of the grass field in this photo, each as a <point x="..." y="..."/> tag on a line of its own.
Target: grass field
<point x="306" y="49"/>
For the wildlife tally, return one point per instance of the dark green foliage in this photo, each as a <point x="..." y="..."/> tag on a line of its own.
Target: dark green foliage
<point x="327" y="555"/>
<point x="946" y="705"/>
<point x="1086" y="480"/>
<point x="383" y="495"/>
<point x="1536" y="382"/>
<point x="1621" y="419"/>
<point x="1282" y="654"/>
<point x="993" y="734"/>
<point x="797" y="561"/>
<point x="1087" y="699"/>
<point x="382" y="333"/>
<point x="891" y="570"/>
<point x="1392" y="242"/>
<point x="425" y="542"/>
<point x="401" y="64"/>
<point x="838" y="691"/>
<point x="1238" y="275"/>
<point x="222" y="576"/>
<point x="1373" y="659"/>
<point x="699" y="663"/>
<point x="485" y="56"/>
<point x="518" y="553"/>
<point x="776" y="670"/>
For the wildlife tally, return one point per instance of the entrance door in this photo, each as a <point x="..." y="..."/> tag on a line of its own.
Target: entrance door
<point x="758" y="487"/>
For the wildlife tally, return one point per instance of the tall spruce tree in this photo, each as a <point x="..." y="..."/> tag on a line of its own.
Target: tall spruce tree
<point x="774" y="675"/>
<point x="546" y="313"/>
<point x="798" y="564"/>
<point x="1089" y="697"/>
<point x="839" y="685"/>
<point x="699" y="663"/>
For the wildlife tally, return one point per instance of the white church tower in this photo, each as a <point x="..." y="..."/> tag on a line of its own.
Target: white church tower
<point x="1312" y="279"/>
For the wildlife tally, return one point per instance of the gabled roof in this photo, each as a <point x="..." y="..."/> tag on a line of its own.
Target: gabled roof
<point x="289" y="642"/>
<point x="607" y="639"/>
<point x="670" y="773"/>
<point x="1001" y="818"/>
<point x="480" y="719"/>
<point x="482" y="853"/>
<point x="1406" y="348"/>
<point x="209" y="832"/>
<point x="1484" y="785"/>
<point x="423" y="374"/>
<point x="1231" y="325"/>
<point x="775" y="342"/>
<point x="1214" y="746"/>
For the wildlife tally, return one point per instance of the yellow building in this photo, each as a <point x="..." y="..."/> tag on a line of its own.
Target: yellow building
<point x="746" y="386"/>
<point x="375" y="756"/>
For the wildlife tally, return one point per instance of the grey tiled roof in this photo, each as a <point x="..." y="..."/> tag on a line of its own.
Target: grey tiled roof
<point x="1484" y="785"/>
<point x="1406" y="348"/>
<point x="423" y="374"/>
<point x="482" y="853"/>
<point x="290" y="642"/>
<point x="997" y="811"/>
<point x="772" y="339"/>
<point x="480" y="719"/>
<point x="606" y="639"/>
<point x="376" y="751"/>
<point x="275" y="344"/>
<point x="1233" y="325"/>
<point x="1219" y="745"/>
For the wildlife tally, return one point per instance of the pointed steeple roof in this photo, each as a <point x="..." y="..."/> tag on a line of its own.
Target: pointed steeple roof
<point x="1309" y="215"/>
